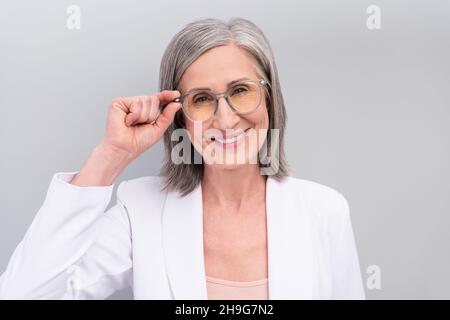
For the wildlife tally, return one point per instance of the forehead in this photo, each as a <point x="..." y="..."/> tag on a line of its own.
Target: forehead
<point x="217" y="67"/>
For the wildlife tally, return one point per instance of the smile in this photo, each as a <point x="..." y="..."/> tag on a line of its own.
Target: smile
<point x="232" y="141"/>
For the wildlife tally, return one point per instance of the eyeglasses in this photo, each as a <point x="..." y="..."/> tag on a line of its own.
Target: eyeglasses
<point x="243" y="97"/>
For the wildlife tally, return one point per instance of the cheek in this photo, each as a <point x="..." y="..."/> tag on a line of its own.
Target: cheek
<point x="259" y="119"/>
<point x="196" y="134"/>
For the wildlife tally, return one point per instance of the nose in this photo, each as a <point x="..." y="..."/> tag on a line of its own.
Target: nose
<point x="225" y="117"/>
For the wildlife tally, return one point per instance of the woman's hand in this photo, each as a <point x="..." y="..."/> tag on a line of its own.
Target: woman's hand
<point x="129" y="132"/>
<point x="129" y="127"/>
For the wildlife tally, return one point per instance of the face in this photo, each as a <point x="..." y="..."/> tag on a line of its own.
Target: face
<point x="229" y="139"/>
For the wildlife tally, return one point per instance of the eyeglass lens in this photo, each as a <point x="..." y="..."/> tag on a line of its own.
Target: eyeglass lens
<point x="244" y="97"/>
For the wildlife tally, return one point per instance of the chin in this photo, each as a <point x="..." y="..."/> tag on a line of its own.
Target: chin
<point x="227" y="167"/>
<point x="234" y="161"/>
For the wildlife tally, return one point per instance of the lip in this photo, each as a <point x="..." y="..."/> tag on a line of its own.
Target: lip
<point x="231" y="142"/>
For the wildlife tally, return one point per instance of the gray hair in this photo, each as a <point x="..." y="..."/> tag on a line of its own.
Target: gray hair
<point x="185" y="47"/>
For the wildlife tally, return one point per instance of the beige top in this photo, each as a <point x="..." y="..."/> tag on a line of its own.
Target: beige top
<point x="220" y="289"/>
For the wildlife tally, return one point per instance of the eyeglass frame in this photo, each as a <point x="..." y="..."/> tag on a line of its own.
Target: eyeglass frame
<point x="217" y="96"/>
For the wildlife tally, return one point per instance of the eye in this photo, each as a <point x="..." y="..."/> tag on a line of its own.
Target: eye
<point x="239" y="90"/>
<point x="199" y="99"/>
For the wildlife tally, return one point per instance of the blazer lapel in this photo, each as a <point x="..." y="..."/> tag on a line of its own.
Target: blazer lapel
<point x="290" y="265"/>
<point x="289" y="244"/>
<point x="183" y="245"/>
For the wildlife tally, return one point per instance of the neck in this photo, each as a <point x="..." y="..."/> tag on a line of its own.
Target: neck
<point x="233" y="187"/>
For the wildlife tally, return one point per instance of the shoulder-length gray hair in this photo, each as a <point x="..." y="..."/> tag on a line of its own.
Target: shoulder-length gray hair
<point x="185" y="47"/>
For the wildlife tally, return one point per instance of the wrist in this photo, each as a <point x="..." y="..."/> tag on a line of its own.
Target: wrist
<point x="114" y="155"/>
<point x="103" y="166"/>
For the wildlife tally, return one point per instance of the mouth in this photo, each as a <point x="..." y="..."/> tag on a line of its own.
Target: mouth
<point x="230" y="142"/>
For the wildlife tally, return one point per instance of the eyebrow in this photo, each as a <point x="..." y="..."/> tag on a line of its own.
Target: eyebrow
<point x="228" y="85"/>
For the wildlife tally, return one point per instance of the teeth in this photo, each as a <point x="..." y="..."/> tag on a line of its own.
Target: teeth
<point x="229" y="140"/>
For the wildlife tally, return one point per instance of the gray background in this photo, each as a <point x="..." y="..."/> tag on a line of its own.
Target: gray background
<point x="368" y="111"/>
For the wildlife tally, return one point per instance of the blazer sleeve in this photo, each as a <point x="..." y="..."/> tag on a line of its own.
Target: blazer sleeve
<point x="346" y="278"/>
<point x="73" y="249"/>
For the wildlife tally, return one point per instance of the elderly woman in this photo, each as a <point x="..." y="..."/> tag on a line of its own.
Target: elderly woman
<point x="224" y="220"/>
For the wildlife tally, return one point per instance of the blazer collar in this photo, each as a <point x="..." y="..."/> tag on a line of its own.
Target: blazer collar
<point x="289" y="244"/>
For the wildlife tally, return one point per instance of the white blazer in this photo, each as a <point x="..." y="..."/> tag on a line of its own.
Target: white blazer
<point x="153" y="241"/>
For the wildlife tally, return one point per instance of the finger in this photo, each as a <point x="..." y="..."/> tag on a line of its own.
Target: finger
<point x="166" y="96"/>
<point x="155" y="106"/>
<point x="159" y="99"/>
<point x="124" y="103"/>
<point x="120" y="109"/>
<point x="167" y="115"/>
<point x="135" y="111"/>
<point x="145" y="102"/>
<point x="143" y="109"/>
